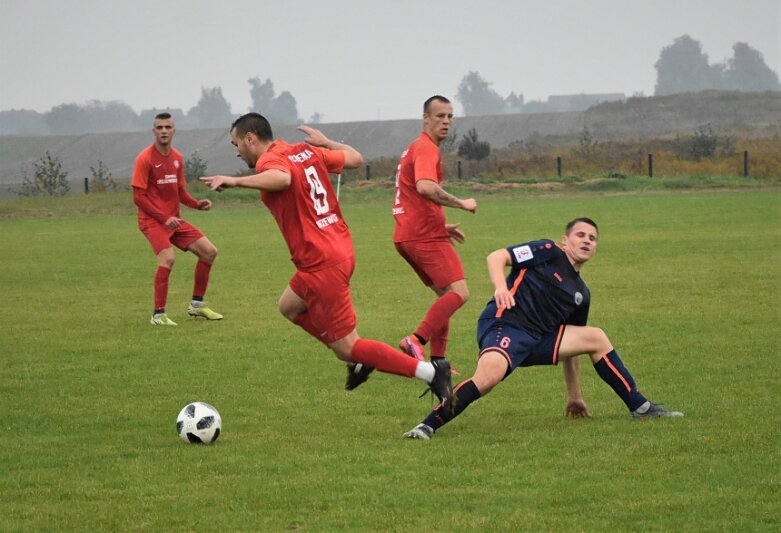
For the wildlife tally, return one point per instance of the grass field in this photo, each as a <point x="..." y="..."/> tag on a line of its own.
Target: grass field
<point x="686" y="285"/>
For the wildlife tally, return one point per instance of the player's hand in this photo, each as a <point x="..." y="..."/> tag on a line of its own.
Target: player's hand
<point x="313" y="136"/>
<point x="454" y="233"/>
<point x="576" y="409"/>
<point x="173" y="223"/>
<point x="504" y="298"/>
<point x="470" y="204"/>
<point x="218" y="183"/>
<point x="205" y="204"/>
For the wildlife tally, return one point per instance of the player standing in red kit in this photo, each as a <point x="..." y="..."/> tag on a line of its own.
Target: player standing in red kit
<point x="295" y="185"/>
<point x="422" y="236"/>
<point x="158" y="189"/>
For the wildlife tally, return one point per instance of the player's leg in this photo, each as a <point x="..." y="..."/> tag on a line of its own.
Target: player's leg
<point x="206" y="252"/>
<point x="578" y="340"/>
<point x="438" y="266"/>
<point x="159" y="238"/>
<point x="439" y="314"/>
<point x="165" y="263"/>
<point x="491" y="369"/>
<point x="377" y="355"/>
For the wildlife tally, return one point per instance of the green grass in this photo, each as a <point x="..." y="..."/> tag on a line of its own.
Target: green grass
<point x="685" y="284"/>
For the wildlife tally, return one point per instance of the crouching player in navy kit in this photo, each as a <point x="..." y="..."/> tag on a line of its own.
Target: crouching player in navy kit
<point x="538" y="317"/>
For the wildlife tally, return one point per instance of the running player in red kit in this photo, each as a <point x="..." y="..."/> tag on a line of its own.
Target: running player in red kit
<point x="158" y="189"/>
<point x="422" y="236"/>
<point x="295" y="185"/>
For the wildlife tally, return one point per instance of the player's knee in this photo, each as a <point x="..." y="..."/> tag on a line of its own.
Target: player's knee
<point x="209" y="254"/>
<point x="600" y="340"/>
<point x="167" y="262"/>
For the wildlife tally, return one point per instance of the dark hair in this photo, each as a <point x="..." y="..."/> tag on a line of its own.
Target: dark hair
<point x="253" y="123"/>
<point x="587" y="220"/>
<point x="436" y="97"/>
<point x="163" y="116"/>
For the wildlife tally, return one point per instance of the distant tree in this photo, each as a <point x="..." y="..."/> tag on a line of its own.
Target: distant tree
<point x="102" y="180"/>
<point x="66" y="119"/>
<point x="477" y="98"/>
<point x="472" y="147"/>
<point x="280" y="109"/>
<point x="683" y="67"/>
<point x="513" y="103"/>
<point x="22" y="122"/>
<point x="316" y="118"/>
<point x="285" y="109"/>
<point x="194" y="167"/>
<point x="49" y="179"/>
<point x="211" y="111"/>
<point x="747" y="71"/>
<point x="95" y="116"/>
<point x="262" y="95"/>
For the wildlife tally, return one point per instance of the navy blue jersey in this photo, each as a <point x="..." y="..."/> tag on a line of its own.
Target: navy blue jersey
<point x="548" y="291"/>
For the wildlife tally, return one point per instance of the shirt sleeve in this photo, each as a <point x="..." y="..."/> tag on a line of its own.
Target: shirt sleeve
<point x="141" y="170"/>
<point x="333" y="159"/>
<point x="426" y="164"/>
<point x="272" y="160"/>
<point x="532" y="253"/>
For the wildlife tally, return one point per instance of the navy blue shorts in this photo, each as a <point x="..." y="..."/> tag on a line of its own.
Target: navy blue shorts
<point x="519" y="347"/>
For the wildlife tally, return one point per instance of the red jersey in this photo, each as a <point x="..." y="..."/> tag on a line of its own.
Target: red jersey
<point x="418" y="218"/>
<point x="307" y="212"/>
<point x="162" y="179"/>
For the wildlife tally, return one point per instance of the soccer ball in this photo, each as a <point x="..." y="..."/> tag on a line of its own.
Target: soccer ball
<point x="199" y="423"/>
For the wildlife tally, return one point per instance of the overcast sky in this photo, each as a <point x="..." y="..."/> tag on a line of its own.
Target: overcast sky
<point x="354" y="60"/>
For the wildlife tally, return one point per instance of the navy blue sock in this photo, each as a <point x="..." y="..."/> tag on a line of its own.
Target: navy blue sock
<point x="466" y="393"/>
<point x="613" y="372"/>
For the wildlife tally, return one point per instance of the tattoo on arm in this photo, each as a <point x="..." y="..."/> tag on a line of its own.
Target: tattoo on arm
<point x="442" y="197"/>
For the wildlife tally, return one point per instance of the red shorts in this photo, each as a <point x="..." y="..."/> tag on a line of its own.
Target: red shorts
<point x="161" y="237"/>
<point x="327" y="296"/>
<point x="435" y="262"/>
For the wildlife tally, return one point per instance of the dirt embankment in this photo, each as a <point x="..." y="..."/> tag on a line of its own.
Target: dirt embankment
<point x="755" y="114"/>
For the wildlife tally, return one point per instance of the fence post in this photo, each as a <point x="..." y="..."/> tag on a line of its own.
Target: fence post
<point x="745" y="163"/>
<point x="368" y="171"/>
<point x="458" y="167"/>
<point x="558" y="165"/>
<point x="650" y="165"/>
<point x="86" y="185"/>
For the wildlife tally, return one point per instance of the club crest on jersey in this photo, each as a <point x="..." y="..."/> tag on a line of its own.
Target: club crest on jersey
<point x="176" y="163"/>
<point x="522" y="253"/>
<point x="578" y="298"/>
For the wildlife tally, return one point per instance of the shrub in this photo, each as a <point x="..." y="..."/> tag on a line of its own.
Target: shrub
<point x="102" y="180"/>
<point x="49" y="179"/>
<point x="194" y="167"/>
<point x="472" y="148"/>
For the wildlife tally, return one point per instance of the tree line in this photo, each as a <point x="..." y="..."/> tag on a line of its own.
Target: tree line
<point x="682" y="67"/>
<point x="96" y="116"/>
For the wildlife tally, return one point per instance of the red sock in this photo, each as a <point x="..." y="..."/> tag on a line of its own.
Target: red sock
<point x="438" y="342"/>
<point x="384" y="358"/>
<point x="161" y="287"/>
<point x="438" y="315"/>
<point x="202" y="270"/>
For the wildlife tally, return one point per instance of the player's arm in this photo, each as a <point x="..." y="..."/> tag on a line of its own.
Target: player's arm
<point x="272" y="179"/>
<point x="187" y="199"/>
<point x="431" y="190"/>
<point x="576" y="407"/>
<point x="497" y="261"/>
<point x="142" y="201"/>
<point x="352" y="157"/>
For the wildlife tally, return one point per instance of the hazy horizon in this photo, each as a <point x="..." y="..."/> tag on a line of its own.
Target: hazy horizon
<point x="351" y="60"/>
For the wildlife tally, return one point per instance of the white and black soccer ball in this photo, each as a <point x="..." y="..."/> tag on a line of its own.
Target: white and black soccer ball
<point x="199" y="423"/>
